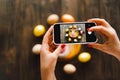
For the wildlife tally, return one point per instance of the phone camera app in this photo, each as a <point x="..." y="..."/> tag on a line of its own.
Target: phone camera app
<point x="74" y="33"/>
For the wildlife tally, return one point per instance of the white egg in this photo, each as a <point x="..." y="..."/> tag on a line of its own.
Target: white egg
<point x="36" y="48"/>
<point x="53" y="18"/>
<point x="69" y="68"/>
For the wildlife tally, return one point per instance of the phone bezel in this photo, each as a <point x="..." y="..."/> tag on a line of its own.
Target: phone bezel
<point x="96" y="39"/>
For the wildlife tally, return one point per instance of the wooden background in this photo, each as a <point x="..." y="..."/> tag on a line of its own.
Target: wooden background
<point x="17" y="20"/>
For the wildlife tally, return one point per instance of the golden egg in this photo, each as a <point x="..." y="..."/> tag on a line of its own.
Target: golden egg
<point x="69" y="39"/>
<point x="39" y="30"/>
<point x="67" y="18"/>
<point x="84" y="57"/>
<point x="66" y="30"/>
<point x="79" y="37"/>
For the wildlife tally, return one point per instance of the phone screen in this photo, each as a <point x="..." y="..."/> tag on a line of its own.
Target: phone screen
<point x="73" y="33"/>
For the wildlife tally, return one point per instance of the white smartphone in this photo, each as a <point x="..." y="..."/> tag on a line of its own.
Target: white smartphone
<point x="76" y="32"/>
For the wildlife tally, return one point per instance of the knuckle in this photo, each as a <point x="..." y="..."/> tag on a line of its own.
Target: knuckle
<point x="101" y="28"/>
<point x="113" y="32"/>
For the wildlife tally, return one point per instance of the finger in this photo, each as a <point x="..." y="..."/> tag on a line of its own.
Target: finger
<point x="48" y="33"/>
<point x="50" y="40"/>
<point x="52" y="47"/>
<point x="100" y="29"/>
<point x="99" y="21"/>
<point x="97" y="46"/>
<point x="58" y="50"/>
<point x="44" y="49"/>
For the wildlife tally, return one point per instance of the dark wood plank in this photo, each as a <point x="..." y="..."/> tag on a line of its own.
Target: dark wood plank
<point x="109" y="10"/>
<point x="69" y="7"/>
<point x="88" y="9"/>
<point x="19" y="17"/>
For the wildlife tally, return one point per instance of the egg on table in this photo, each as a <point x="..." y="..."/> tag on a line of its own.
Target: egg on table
<point x="39" y="30"/>
<point x="69" y="68"/>
<point x="84" y="57"/>
<point x="53" y="18"/>
<point x="67" y="18"/>
<point x="36" y="48"/>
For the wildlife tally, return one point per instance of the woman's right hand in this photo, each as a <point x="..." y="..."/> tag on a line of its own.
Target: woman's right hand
<point x="112" y="43"/>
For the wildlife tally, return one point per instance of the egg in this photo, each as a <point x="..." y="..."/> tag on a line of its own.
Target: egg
<point x="84" y="57"/>
<point x="36" y="48"/>
<point x="39" y="30"/>
<point x="67" y="18"/>
<point x="69" y="68"/>
<point x="53" y="18"/>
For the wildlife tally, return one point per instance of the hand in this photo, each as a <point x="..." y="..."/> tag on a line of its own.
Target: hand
<point x="48" y="56"/>
<point x="112" y="43"/>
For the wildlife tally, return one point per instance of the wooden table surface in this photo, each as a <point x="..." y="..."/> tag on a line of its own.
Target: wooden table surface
<point x="17" y="20"/>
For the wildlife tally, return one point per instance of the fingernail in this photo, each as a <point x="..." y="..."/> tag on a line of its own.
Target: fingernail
<point x="63" y="46"/>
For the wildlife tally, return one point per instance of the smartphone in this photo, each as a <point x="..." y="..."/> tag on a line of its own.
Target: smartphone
<point x="77" y="32"/>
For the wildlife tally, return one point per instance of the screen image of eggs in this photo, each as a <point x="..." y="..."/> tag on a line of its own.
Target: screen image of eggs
<point x="72" y="33"/>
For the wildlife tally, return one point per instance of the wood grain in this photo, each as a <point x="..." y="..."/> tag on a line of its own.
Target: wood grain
<point x="19" y="17"/>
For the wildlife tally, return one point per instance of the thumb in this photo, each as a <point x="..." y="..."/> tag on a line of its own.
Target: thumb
<point x="58" y="50"/>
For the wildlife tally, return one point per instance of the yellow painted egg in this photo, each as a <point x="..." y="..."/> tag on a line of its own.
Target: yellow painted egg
<point x="36" y="48"/>
<point x="39" y="30"/>
<point x="53" y="18"/>
<point x="69" y="68"/>
<point x="67" y="18"/>
<point x="84" y="57"/>
<point x="70" y="51"/>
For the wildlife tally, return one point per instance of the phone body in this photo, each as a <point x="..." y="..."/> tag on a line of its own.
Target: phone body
<point x="75" y="32"/>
